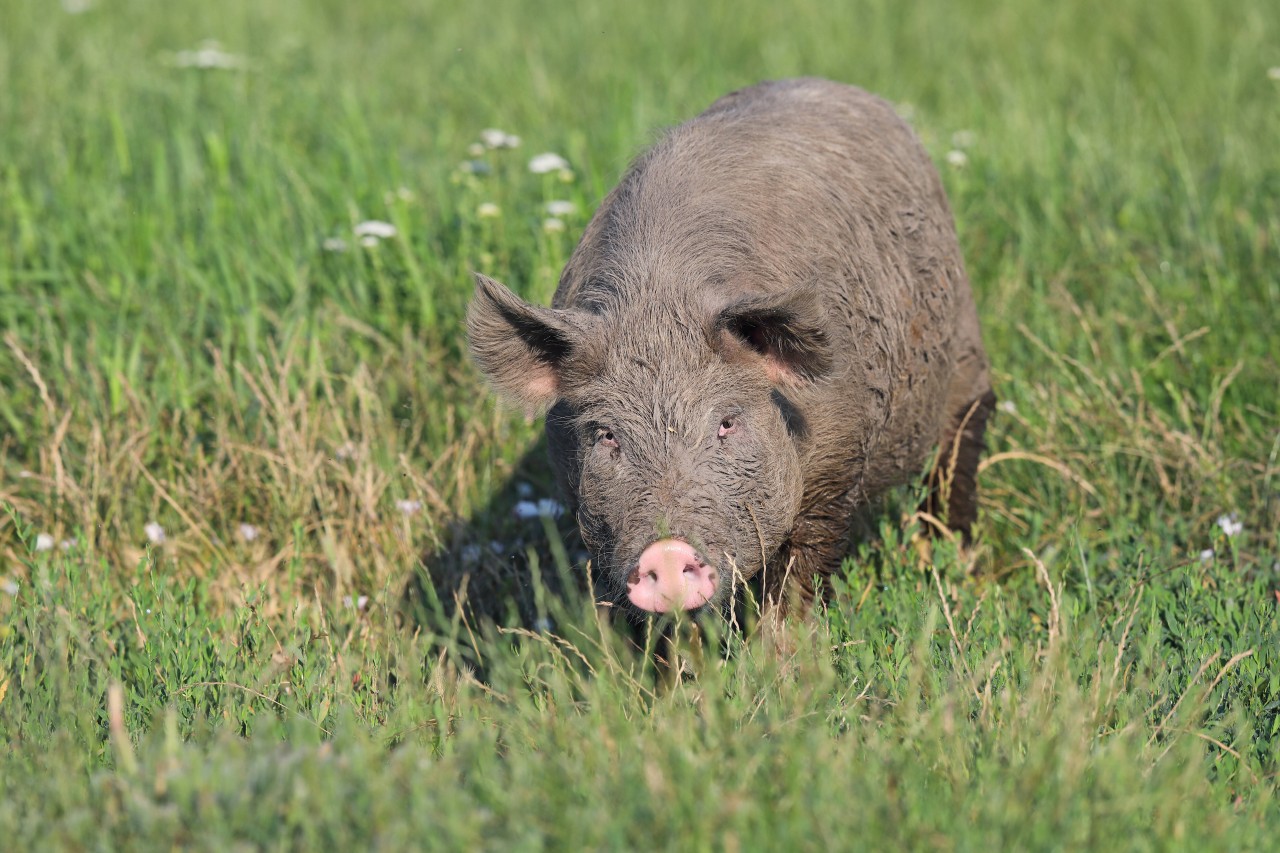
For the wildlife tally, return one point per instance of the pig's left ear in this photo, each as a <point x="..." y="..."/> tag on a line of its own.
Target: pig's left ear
<point x="786" y="329"/>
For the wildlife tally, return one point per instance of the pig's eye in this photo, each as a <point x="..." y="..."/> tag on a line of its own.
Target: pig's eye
<point x="727" y="427"/>
<point x="605" y="438"/>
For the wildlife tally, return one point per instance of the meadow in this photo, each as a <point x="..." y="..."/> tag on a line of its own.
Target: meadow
<point x="240" y="436"/>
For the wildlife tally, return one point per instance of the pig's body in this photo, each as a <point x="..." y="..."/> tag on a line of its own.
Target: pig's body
<point x="765" y="325"/>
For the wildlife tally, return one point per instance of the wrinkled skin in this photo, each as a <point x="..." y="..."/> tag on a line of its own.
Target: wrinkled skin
<point x="765" y="325"/>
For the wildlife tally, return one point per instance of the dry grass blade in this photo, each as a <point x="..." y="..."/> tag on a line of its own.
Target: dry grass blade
<point x="1022" y="455"/>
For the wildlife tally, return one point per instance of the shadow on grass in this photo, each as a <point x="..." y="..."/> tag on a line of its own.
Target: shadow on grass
<point x="506" y="560"/>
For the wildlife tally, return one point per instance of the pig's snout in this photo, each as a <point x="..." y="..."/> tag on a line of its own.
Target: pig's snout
<point x="671" y="576"/>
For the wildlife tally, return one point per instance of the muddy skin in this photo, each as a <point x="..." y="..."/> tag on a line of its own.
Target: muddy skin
<point x="766" y="325"/>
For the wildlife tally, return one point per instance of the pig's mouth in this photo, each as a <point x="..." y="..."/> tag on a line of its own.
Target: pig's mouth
<point x="671" y="576"/>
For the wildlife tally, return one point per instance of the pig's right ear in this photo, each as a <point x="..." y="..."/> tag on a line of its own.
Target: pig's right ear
<point x="521" y="348"/>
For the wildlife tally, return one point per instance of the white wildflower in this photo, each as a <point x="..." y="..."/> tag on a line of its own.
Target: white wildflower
<point x="560" y="207"/>
<point x="1273" y="72"/>
<point x="546" y="163"/>
<point x="398" y="194"/>
<point x="209" y="55"/>
<point x="963" y="139"/>
<point x="408" y="507"/>
<point x="488" y="210"/>
<point x="369" y="241"/>
<point x="543" y="624"/>
<point x="248" y="532"/>
<point x="1206" y="555"/>
<point x="1007" y="406"/>
<point x="957" y="158"/>
<point x="360" y="602"/>
<point x="545" y="507"/>
<point x="334" y="244"/>
<point x="551" y="225"/>
<point x="494" y="138"/>
<point x="1230" y="525"/>
<point x="9" y="586"/>
<point x="68" y="544"/>
<point x="44" y="542"/>
<point x="155" y="533"/>
<point x="377" y="229"/>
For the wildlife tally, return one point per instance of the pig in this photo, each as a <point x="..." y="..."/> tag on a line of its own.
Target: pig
<point x="765" y="326"/>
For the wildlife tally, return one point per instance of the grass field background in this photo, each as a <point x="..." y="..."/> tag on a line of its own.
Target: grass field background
<point x="226" y="440"/>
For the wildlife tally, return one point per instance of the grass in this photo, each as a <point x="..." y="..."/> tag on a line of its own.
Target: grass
<point x="179" y="348"/>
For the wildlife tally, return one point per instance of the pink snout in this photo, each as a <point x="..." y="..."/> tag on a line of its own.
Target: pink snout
<point x="671" y="576"/>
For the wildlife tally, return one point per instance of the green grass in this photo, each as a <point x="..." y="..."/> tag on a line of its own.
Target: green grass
<point x="177" y="346"/>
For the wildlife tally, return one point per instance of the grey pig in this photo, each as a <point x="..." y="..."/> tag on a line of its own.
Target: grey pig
<point x="765" y="325"/>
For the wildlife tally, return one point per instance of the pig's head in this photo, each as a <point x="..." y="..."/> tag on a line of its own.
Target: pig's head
<point x="670" y="426"/>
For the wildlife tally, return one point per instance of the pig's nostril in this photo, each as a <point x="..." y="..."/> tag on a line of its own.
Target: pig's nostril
<point x="637" y="576"/>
